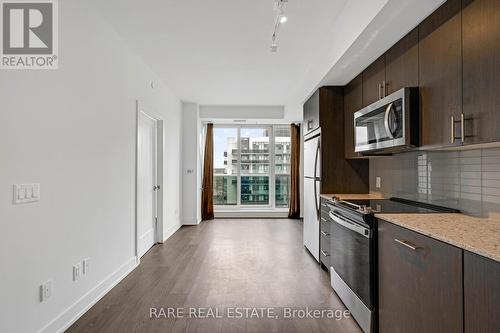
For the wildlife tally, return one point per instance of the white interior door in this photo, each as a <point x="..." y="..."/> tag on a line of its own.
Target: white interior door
<point x="146" y="183"/>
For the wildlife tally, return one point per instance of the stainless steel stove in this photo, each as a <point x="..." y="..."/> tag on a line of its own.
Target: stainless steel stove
<point x="354" y="251"/>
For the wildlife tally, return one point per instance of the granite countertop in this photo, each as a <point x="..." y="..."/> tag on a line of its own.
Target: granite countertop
<point x="353" y="196"/>
<point x="477" y="235"/>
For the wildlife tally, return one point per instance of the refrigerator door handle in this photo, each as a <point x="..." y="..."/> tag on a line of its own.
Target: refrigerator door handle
<point x="315" y="181"/>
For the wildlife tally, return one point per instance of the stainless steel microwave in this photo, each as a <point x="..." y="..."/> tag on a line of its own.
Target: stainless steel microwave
<point x="389" y="125"/>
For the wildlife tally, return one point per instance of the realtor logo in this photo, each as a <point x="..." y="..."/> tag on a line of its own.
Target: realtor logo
<point x="29" y="38"/>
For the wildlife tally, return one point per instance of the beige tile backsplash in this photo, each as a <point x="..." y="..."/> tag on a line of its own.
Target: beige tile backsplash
<point x="467" y="180"/>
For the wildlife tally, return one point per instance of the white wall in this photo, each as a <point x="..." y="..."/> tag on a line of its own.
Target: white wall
<point x="242" y="112"/>
<point x="191" y="171"/>
<point x="73" y="130"/>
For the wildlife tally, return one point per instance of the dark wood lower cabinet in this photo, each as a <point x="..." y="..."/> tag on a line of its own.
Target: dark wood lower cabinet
<point x="420" y="283"/>
<point x="481" y="294"/>
<point x="324" y="237"/>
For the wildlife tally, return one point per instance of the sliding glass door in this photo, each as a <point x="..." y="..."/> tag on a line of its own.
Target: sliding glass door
<point x="251" y="166"/>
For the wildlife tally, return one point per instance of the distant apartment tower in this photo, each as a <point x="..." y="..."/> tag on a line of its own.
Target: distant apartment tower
<point x="252" y="156"/>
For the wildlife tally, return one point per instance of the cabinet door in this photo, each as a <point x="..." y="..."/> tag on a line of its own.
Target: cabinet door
<point x="481" y="294"/>
<point x="420" y="288"/>
<point x="440" y="73"/>
<point x="401" y="63"/>
<point x="373" y="79"/>
<point x="353" y="101"/>
<point x="481" y="70"/>
<point x="311" y="113"/>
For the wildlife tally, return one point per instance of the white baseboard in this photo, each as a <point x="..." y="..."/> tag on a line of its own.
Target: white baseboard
<point x="170" y="231"/>
<point x="191" y="221"/>
<point x="64" y="320"/>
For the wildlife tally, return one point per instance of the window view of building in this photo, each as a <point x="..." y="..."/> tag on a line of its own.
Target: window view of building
<point x="225" y="174"/>
<point x="282" y="153"/>
<point x="252" y="166"/>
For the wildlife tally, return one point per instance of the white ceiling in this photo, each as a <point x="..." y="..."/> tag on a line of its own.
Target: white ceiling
<point x="217" y="52"/>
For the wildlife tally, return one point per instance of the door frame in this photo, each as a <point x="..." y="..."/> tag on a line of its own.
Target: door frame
<point x="143" y="110"/>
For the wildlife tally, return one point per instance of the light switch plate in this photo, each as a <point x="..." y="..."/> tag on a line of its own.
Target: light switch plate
<point x="45" y="291"/>
<point x="86" y="266"/>
<point x="378" y="182"/>
<point x="24" y="193"/>
<point x="77" y="271"/>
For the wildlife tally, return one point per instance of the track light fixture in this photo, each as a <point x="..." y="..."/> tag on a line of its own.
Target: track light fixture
<point x="280" y="7"/>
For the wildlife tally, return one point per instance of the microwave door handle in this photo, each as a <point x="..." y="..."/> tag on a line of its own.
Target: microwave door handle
<point x="349" y="225"/>
<point x="386" y="121"/>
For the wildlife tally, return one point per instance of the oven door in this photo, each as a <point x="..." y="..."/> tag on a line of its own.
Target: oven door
<point x="351" y="257"/>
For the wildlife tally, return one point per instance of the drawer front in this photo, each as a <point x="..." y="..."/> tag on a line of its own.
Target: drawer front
<point x="420" y="282"/>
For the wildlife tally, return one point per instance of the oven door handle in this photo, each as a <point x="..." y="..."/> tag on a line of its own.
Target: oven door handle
<point x="350" y="225"/>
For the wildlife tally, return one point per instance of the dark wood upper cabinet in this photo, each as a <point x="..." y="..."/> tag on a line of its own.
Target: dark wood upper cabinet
<point x="353" y="101"/>
<point x="420" y="288"/>
<point x="373" y="80"/>
<point x="481" y="294"/>
<point x="440" y="74"/>
<point x="325" y="109"/>
<point x="311" y="113"/>
<point x="481" y="70"/>
<point x="401" y="63"/>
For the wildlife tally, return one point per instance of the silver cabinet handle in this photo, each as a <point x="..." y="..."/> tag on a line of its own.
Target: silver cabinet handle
<point x="324" y="233"/>
<point x="462" y="127"/>
<point x="452" y="122"/>
<point x="326" y="254"/>
<point x="407" y="244"/>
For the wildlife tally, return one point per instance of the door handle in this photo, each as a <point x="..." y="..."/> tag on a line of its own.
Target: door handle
<point x="386" y="121"/>
<point x="407" y="244"/>
<point x="315" y="178"/>
<point x="324" y="233"/>
<point x="326" y="254"/>
<point x="156" y="187"/>
<point x="462" y="127"/>
<point x="452" y="123"/>
<point x="350" y="225"/>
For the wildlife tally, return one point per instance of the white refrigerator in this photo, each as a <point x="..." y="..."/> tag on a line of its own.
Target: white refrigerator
<point x="312" y="185"/>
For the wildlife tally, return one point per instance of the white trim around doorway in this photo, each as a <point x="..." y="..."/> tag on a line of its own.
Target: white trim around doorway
<point x="146" y="111"/>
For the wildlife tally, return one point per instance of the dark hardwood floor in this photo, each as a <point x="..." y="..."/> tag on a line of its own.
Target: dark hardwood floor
<point x="221" y="264"/>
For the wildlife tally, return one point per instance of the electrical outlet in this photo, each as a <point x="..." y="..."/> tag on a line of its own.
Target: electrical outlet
<point x="378" y="182"/>
<point x="77" y="271"/>
<point x="45" y="291"/>
<point x="86" y="266"/>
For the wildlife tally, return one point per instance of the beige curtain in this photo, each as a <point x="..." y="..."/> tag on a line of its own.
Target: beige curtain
<point x="294" y="210"/>
<point x="207" y="199"/>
